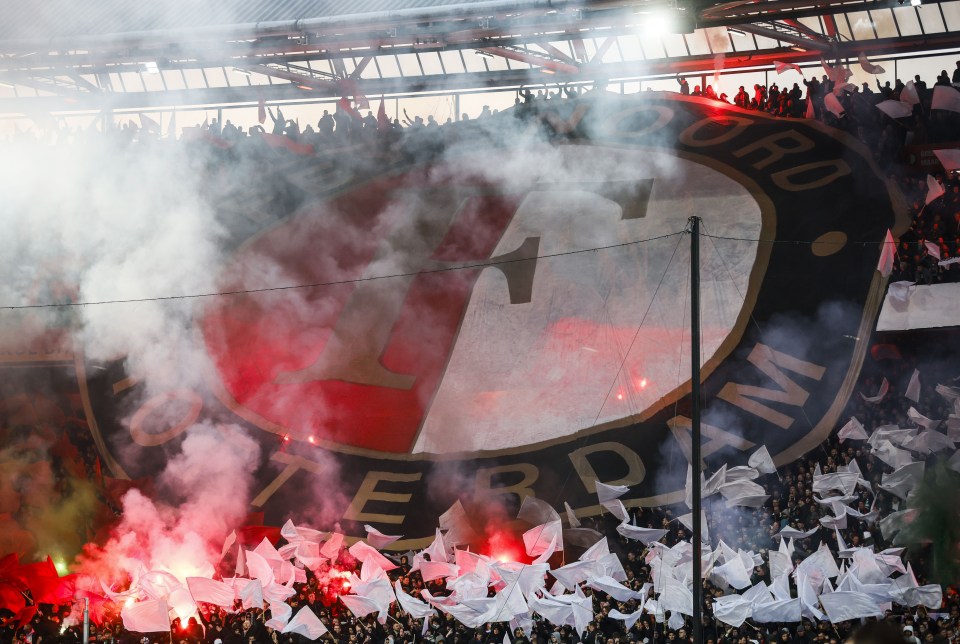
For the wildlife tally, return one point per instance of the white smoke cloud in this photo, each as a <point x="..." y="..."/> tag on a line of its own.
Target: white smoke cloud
<point x="109" y="222"/>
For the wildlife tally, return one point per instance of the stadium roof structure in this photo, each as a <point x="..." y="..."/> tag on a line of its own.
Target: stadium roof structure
<point x="65" y="55"/>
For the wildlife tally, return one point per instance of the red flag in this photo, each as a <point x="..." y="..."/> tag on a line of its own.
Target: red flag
<point x="285" y="142"/>
<point x="9" y="565"/>
<point x="253" y="534"/>
<point x="11" y="598"/>
<point x="25" y="615"/>
<point x="383" y="122"/>
<point x="262" y="110"/>
<point x="45" y="583"/>
<point x="97" y="604"/>
<point x="346" y="107"/>
<point x="782" y="67"/>
<point x="885" y="352"/>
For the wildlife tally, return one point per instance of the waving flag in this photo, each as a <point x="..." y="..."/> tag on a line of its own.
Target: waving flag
<point x="869" y="67"/>
<point x="949" y="159"/>
<point x="761" y="461"/>
<point x="845" y="605"/>
<point x="211" y="591"/>
<point x="945" y="98"/>
<point x="306" y="623"/>
<point x="383" y="122"/>
<point x="895" y="109"/>
<point x="934" y="190"/>
<point x="782" y="67"/>
<point x="150" y="616"/>
<point x="377" y="539"/>
<point x="909" y="94"/>
<point x="852" y="430"/>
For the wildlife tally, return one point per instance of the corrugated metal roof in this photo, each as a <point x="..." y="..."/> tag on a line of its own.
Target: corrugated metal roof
<point x="57" y="18"/>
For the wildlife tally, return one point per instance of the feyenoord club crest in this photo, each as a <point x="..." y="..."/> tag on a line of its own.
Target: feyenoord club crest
<point x="505" y="310"/>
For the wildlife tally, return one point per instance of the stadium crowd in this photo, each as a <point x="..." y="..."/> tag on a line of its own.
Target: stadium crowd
<point x="791" y="501"/>
<point x="924" y="251"/>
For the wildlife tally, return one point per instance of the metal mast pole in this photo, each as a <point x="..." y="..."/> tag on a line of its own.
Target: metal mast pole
<point x="695" y="427"/>
<point x="86" y="620"/>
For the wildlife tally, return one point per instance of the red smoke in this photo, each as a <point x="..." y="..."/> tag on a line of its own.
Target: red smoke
<point x="503" y="545"/>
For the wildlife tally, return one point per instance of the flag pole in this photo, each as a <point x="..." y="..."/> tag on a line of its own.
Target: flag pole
<point x="695" y="428"/>
<point x="86" y="620"/>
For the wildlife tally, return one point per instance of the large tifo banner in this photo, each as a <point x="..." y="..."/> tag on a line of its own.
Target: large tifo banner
<point x="503" y="310"/>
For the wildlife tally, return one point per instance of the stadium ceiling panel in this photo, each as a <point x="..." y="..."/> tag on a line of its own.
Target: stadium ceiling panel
<point x="62" y="55"/>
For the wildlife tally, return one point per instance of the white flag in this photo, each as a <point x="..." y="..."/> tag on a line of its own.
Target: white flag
<point x="869" y="67"/>
<point x="838" y="74"/>
<point x="934" y="190"/>
<point x="734" y="573"/>
<point x="853" y="430"/>
<point x="331" y="549"/>
<point x="610" y="492"/>
<point x="784" y="610"/>
<point x="949" y="159"/>
<point x="628" y="620"/>
<point x="903" y="479"/>
<point x="930" y="596"/>
<point x="909" y="94"/>
<point x="617" y="509"/>
<point x="732" y="609"/>
<point x="359" y="606"/>
<point x="437" y="550"/>
<point x="306" y="623"/>
<point x="761" y="461"/>
<point x="252" y="595"/>
<point x="887" y="256"/>
<point x="211" y="591"/>
<point x="543" y="538"/>
<point x="431" y="570"/>
<point x="884" y="388"/>
<point x="895" y="109"/>
<point x="377" y="539"/>
<point x="411" y="605"/>
<point x="913" y="388"/>
<point x="832" y="103"/>
<point x="612" y="587"/>
<point x="279" y="615"/>
<point x="363" y="552"/>
<point x="644" y="535"/>
<point x="150" y="616"/>
<point x="945" y="98"/>
<point x="842" y="606"/>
